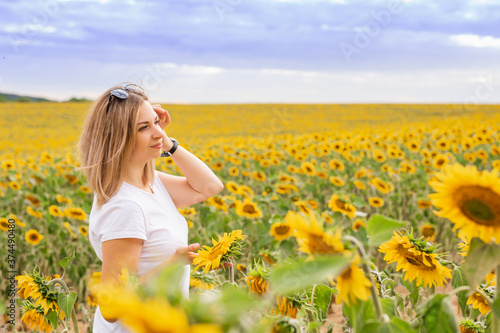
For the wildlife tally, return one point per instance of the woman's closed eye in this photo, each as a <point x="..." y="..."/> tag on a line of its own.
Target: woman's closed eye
<point x="143" y="127"/>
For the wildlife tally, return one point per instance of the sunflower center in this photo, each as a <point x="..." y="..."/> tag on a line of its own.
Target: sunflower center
<point x="282" y="230"/>
<point x="317" y="244"/>
<point x="249" y="209"/>
<point x="480" y="205"/>
<point x="34" y="237"/>
<point x="479" y="210"/>
<point x="416" y="260"/>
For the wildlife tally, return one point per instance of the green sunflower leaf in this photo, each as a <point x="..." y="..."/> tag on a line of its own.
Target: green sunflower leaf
<point x="300" y="274"/>
<point x="481" y="259"/>
<point x="66" y="302"/>
<point x="380" y="229"/>
<point x="458" y="280"/>
<point x="51" y="317"/>
<point x="438" y="315"/>
<point x="322" y="297"/>
<point x="66" y="261"/>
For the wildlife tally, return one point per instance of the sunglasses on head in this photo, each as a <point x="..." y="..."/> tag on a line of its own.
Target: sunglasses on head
<point x="123" y="93"/>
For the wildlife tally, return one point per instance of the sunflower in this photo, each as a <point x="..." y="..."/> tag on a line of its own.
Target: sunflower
<point x="423" y="204"/>
<point x="34" y="318"/>
<point x="68" y="227"/>
<point x="413" y="146"/>
<point x="468" y="326"/>
<point x="248" y="209"/>
<point x="337" y="181"/>
<point x="380" y="185"/>
<point x="376" y="201"/>
<point x="228" y="245"/>
<point x="233" y="187"/>
<point x="358" y="224"/>
<point x="303" y="207"/>
<point x="233" y="171"/>
<point x="75" y="213"/>
<point x="286" y="188"/>
<point x="33" y="200"/>
<point x="56" y="211"/>
<point x="328" y="219"/>
<point x="246" y="191"/>
<point x="62" y="199"/>
<point x="33" y="237"/>
<point x="478" y="302"/>
<point x="322" y="174"/>
<point x="337" y="204"/>
<point x="418" y="261"/>
<point x="4" y="224"/>
<point x="359" y="184"/>
<point x="92" y="299"/>
<point x="202" y="281"/>
<point x="469" y="199"/>
<point x="379" y="156"/>
<point x="155" y="315"/>
<point x="84" y="231"/>
<point x="361" y="173"/>
<point x="428" y="231"/>
<point x="308" y="168"/>
<point x="258" y="284"/>
<point x="8" y="165"/>
<point x="188" y="211"/>
<point x="285" y="307"/>
<point x="217" y="166"/>
<point x="336" y="165"/>
<point x="33" y="212"/>
<point x="33" y="286"/>
<point x="218" y="203"/>
<point x="265" y="163"/>
<point x="440" y="161"/>
<point x="352" y="284"/>
<point x="259" y="176"/>
<point x="85" y="189"/>
<point x="28" y="287"/>
<point x="14" y="185"/>
<point x="311" y="237"/>
<point x="281" y="231"/>
<point x="241" y="267"/>
<point x="71" y="179"/>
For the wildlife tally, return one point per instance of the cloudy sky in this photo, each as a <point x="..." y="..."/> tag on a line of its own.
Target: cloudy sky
<point x="263" y="51"/>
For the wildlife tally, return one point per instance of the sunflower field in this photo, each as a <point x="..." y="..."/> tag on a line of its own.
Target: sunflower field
<point x="336" y="218"/>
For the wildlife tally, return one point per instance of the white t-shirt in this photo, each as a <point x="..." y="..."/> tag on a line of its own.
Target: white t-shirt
<point x="135" y="213"/>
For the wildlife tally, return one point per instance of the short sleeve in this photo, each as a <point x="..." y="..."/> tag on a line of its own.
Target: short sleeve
<point x="121" y="219"/>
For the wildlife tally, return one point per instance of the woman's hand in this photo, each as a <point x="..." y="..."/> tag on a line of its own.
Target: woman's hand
<point x="162" y="114"/>
<point x="186" y="253"/>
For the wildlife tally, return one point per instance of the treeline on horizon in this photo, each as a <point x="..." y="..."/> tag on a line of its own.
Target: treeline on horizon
<point x="26" y="99"/>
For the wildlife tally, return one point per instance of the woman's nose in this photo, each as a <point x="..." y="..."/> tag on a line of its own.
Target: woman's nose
<point x="158" y="132"/>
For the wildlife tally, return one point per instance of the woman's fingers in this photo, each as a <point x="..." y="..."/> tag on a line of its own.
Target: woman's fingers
<point x="162" y="114"/>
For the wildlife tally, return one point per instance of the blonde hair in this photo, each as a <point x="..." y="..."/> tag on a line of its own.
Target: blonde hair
<point x="107" y="141"/>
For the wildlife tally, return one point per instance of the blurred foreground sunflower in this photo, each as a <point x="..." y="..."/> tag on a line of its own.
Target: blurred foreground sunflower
<point x="470" y="199"/>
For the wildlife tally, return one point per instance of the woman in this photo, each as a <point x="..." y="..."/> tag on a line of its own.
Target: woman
<point x="134" y="222"/>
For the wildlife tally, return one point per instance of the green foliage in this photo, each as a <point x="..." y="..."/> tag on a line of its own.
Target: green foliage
<point x="380" y="229"/>
<point x="481" y="259"/>
<point x="301" y="273"/>
<point x="437" y="315"/>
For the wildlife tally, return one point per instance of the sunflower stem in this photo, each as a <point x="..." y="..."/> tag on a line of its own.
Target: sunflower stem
<point x="495" y="322"/>
<point x="73" y="313"/>
<point x="373" y="289"/>
<point x="231" y="272"/>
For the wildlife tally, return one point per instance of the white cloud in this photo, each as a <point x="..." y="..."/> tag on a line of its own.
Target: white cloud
<point x="475" y="40"/>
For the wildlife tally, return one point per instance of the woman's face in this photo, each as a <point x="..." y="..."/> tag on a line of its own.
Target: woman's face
<point x="149" y="135"/>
